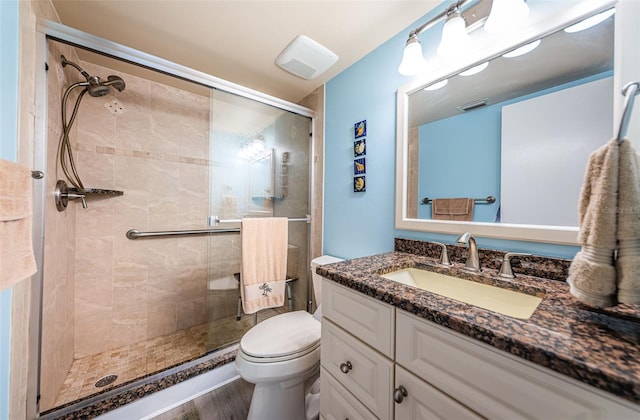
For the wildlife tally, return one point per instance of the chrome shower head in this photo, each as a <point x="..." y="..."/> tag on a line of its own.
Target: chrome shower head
<point x="96" y="87"/>
<point x="116" y="82"/>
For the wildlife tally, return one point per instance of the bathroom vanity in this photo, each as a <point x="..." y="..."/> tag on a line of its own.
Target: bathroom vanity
<point x="390" y="350"/>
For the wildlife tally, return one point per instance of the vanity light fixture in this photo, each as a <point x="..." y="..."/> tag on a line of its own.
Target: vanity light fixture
<point x="523" y="50"/>
<point x="455" y="39"/>
<point x="412" y="60"/>
<point x="506" y="15"/>
<point x="590" y="22"/>
<point x="475" y="70"/>
<point x="438" y="85"/>
<point x="455" y="33"/>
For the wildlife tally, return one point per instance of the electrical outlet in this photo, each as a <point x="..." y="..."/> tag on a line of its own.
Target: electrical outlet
<point x="115" y="107"/>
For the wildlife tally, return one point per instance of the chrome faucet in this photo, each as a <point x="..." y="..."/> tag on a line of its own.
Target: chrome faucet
<point x="473" y="261"/>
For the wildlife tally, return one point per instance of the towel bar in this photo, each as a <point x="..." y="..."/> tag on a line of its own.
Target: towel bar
<point x="490" y="199"/>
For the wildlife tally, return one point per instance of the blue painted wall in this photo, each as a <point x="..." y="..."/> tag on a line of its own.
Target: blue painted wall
<point x="359" y="224"/>
<point x="455" y="162"/>
<point x="8" y="150"/>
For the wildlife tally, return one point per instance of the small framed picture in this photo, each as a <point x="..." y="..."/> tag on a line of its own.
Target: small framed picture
<point x="359" y="166"/>
<point x="359" y="184"/>
<point x="359" y="147"/>
<point x="360" y="129"/>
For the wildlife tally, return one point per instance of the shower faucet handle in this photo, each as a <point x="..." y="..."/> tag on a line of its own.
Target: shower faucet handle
<point x="75" y="196"/>
<point x="62" y="194"/>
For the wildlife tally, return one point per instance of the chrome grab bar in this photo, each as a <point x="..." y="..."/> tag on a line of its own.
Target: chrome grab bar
<point x="135" y="233"/>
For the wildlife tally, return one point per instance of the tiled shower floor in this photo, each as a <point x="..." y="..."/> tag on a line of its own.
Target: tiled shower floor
<point x="152" y="356"/>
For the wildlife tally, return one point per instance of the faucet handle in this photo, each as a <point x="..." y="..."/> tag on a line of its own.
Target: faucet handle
<point x="444" y="256"/>
<point x="505" y="270"/>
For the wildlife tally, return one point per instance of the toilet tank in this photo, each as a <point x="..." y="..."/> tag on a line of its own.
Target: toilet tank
<point x="317" y="279"/>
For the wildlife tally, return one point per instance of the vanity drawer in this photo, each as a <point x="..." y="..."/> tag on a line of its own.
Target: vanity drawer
<point x="337" y="403"/>
<point x="492" y="382"/>
<point x="369" y="375"/>
<point x="426" y="402"/>
<point x="364" y="317"/>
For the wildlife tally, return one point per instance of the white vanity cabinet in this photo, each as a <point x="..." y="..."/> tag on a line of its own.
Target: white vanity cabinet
<point x="372" y="353"/>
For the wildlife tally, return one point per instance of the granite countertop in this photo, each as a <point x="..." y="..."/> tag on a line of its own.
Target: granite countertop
<point x="600" y="347"/>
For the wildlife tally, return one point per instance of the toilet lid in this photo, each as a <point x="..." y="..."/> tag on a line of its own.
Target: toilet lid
<point x="282" y="335"/>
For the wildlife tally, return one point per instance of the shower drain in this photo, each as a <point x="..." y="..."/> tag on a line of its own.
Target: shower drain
<point x="109" y="379"/>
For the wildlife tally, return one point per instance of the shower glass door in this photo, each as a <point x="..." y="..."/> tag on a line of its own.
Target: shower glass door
<point x="259" y="167"/>
<point x="117" y="309"/>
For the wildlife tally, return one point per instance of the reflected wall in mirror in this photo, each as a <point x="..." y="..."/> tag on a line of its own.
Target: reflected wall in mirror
<point x="521" y="129"/>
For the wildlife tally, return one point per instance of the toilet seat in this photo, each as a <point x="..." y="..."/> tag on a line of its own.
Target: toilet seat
<point x="282" y="337"/>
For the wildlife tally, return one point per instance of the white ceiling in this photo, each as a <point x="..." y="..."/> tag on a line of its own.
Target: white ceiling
<point x="239" y="40"/>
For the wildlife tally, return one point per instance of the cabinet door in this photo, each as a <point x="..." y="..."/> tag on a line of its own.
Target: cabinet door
<point x="494" y="384"/>
<point x="364" y="317"/>
<point x="337" y="403"/>
<point x="423" y="401"/>
<point x="367" y="374"/>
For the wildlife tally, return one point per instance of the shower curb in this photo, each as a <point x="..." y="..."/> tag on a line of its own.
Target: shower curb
<point x="96" y="405"/>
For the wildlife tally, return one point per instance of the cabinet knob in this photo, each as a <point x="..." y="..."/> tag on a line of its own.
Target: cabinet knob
<point x="346" y="367"/>
<point x="399" y="394"/>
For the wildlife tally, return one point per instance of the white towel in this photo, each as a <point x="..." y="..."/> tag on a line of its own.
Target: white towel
<point x="264" y="262"/>
<point x="628" y="233"/>
<point x="16" y="248"/>
<point x="592" y="275"/>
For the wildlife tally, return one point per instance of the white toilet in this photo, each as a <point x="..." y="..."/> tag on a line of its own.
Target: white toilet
<point x="281" y="356"/>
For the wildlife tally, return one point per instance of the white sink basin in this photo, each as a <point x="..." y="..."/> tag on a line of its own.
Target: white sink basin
<point x="503" y="301"/>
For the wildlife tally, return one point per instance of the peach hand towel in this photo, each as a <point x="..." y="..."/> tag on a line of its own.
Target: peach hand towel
<point x="16" y="247"/>
<point x="628" y="233"/>
<point x="460" y="209"/>
<point x="592" y="275"/>
<point x="264" y="262"/>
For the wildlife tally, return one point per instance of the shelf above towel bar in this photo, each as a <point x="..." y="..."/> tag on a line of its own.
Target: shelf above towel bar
<point x="488" y="200"/>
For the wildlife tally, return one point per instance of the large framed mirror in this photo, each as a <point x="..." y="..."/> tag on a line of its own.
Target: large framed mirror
<point x="512" y="139"/>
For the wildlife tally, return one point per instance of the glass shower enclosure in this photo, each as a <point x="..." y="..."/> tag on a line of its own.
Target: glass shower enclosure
<point x="146" y="279"/>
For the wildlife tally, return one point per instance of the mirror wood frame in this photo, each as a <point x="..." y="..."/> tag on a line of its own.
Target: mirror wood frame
<point x="546" y="26"/>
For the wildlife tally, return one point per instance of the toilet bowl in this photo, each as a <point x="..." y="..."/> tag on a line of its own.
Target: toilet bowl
<point x="281" y="356"/>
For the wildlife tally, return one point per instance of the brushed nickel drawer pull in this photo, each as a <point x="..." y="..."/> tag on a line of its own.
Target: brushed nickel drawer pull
<point x="346" y="367"/>
<point x="399" y="394"/>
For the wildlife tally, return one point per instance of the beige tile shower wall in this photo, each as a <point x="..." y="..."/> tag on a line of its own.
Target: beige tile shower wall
<point x="154" y="148"/>
<point x="59" y="246"/>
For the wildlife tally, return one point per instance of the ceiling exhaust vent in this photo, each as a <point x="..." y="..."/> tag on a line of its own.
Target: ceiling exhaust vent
<point x="306" y="58"/>
<point x="473" y="105"/>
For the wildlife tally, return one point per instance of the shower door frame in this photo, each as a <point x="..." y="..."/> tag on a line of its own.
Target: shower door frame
<point x="57" y="32"/>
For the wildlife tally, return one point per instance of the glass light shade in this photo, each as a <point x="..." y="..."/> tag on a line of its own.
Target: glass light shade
<point x="475" y="70"/>
<point x="506" y="15"/>
<point x="413" y="61"/>
<point x="589" y="22"/>
<point x="455" y="39"/>
<point x="523" y="50"/>
<point x="436" y="86"/>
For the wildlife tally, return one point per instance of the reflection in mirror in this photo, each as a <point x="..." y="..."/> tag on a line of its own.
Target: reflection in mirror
<point x="519" y="128"/>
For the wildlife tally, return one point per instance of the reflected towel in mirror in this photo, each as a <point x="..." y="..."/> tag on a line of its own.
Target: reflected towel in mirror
<point x="452" y="209"/>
